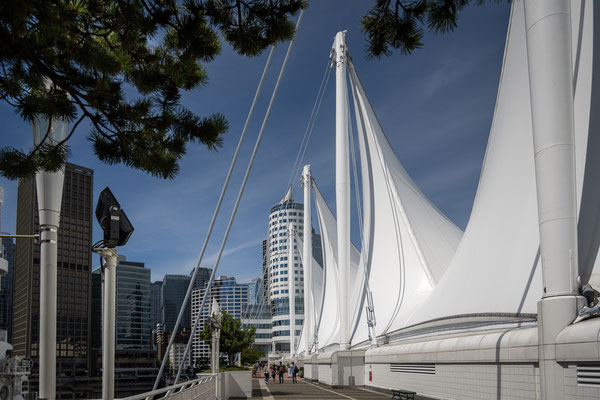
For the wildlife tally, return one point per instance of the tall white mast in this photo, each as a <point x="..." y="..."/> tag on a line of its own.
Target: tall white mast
<point x="291" y="286"/>
<point x="342" y="181"/>
<point x="549" y="54"/>
<point x="307" y="261"/>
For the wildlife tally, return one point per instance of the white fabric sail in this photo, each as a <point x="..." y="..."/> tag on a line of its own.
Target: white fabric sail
<point x="497" y="266"/>
<point x="329" y="320"/>
<point x="316" y="293"/>
<point x="407" y="241"/>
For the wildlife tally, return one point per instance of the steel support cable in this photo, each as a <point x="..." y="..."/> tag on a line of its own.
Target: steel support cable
<point x="296" y="171"/>
<point x="321" y="88"/>
<point x="239" y="197"/>
<point x="214" y="217"/>
<point x="245" y="312"/>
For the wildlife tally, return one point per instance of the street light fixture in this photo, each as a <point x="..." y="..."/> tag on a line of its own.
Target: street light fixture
<point x="112" y="219"/>
<point x="49" y="195"/>
<point x="117" y="230"/>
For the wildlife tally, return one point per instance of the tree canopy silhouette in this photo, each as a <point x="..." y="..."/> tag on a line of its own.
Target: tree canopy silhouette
<point x="233" y="339"/>
<point x="122" y="65"/>
<point x="399" y="24"/>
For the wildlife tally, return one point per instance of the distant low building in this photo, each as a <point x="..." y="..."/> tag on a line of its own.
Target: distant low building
<point x="135" y="372"/>
<point x="162" y="339"/>
<point x="176" y="357"/>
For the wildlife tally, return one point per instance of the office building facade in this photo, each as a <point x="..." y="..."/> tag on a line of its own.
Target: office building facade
<point x="7" y="252"/>
<point x="232" y="298"/>
<point x="202" y="277"/>
<point x="73" y="279"/>
<point x="132" y="306"/>
<point x="174" y="288"/>
<point x="133" y="322"/>
<point x="155" y="301"/>
<point x="255" y="289"/>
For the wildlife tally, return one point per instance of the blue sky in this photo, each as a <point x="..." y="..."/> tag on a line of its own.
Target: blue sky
<point x="435" y="106"/>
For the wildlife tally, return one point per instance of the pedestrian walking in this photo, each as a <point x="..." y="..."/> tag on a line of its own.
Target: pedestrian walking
<point x="273" y="372"/>
<point x="294" y="370"/>
<point x="281" y="372"/>
<point x="266" y="371"/>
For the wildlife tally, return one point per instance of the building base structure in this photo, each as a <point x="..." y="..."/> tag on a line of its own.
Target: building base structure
<point x="339" y="368"/>
<point x="493" y="361"/>
<point x="311" y="369"/>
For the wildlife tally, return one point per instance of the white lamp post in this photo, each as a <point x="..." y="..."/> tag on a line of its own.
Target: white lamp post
<point x="49" y="196"/>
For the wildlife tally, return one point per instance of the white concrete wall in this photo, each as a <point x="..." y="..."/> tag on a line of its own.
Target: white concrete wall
<point x="326" y="374"/>
<point x="351" y="366"/>
<point x="573" y="391"/>
<point x="463" y="381"/>
<point x="236" y="384"/>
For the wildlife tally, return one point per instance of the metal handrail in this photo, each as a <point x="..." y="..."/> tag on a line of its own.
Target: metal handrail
<point x="171" y="389"/>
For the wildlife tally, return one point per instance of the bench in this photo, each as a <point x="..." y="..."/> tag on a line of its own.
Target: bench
<point x="403" y="394"/>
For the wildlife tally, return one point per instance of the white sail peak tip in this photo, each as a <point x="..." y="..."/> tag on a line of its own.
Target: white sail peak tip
<point x="288" y="196"/>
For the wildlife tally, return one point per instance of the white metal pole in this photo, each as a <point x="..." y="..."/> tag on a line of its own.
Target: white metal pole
<point x="108" y="326"/>
<point x="218" y="362"/>
<point x="342" y="182"/>
<point x="307" y="261"/>
<point x="49" y="195"/>
<point x="291" y="287"/>
<point x="549" y="55"/>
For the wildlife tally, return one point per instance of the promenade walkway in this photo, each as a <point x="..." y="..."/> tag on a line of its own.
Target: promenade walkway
<point x="308" y="391"/>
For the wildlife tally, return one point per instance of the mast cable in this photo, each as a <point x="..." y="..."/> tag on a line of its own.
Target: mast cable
<point x="214" y="217"/>
<point x="311" y="123"/>
<point x="237" y="201"/>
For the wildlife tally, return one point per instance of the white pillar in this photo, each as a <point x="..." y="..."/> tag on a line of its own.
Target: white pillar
<point x="549" y="55"/>
<point x="108" y="325"/>
<point x="49" y="187"/>
<point x="307" y="261"/>
<point x="291" y="287"/>
<point x="342" y="182"/>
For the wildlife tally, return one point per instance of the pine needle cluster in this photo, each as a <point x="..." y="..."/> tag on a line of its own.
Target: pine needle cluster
<point x="399" y="24"/>
<point x="123" y="66"/>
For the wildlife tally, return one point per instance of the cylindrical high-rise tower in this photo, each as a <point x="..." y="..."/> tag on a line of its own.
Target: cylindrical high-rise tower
<point x="280" y="217"/>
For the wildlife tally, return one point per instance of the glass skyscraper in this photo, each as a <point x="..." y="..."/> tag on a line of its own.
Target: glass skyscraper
<point x="133" y="320"/>
<point x="202" y="277"/>
<point x="174" y="288"/>
<point x="6" y="291"/>
<point x="132" y="317"/>
<point x="74" y="261"/>
<point x="155" y="301"/>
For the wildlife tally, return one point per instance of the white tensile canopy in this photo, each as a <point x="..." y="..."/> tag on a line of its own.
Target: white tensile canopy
<point x="420" y="266"/>
<point x="329" y="319"/>
<point x="497" y="266"/>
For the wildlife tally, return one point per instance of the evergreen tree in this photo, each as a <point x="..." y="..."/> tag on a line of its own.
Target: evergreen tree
<point x="251" y="356"/>
<point x="398" y="24"/>
<point x="234" y="339"/>
<point x="122" y="65"/>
